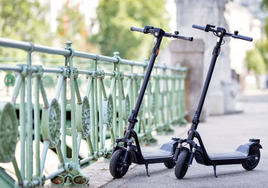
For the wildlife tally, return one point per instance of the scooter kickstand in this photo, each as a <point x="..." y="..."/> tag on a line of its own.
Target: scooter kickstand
<point x="147" y="172"/>
<point x="214" y="168"/>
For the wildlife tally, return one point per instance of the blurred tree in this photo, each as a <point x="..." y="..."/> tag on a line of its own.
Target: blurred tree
<point x="115" y="17"/>
<point x="23" y="20"/>
<point x="71" y="27"/>
<point x="256" y="58"/>
<point x="264" y="4"/>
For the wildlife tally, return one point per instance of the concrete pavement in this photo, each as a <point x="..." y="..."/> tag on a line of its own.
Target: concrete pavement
<point x="99" y="172"/>
<point x="220" y="134"/>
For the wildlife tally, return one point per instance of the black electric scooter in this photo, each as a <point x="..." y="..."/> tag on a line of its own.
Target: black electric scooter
<point x="247" y="154"/>
<point x="124" y="154"/>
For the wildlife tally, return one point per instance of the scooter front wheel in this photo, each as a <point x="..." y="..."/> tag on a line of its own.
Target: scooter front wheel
<point x="182" y="163"/>
<point x="117" y="168"/>
<point x="251" y="164"/>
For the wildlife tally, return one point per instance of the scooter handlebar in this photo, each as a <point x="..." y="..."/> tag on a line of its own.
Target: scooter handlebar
<point x="198" y="27"/>
<point x="183" y="38"/>
<point x="170" y="35"/>
<point x="176" y="36"/>
<point x="242" y="37"/>
<point x="137" y="29"/>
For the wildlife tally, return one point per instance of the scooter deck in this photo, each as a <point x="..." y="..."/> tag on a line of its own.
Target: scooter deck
<point x="164" y="153"/>
<point x="227" y="156"/>
<point x="240" y="153"/>
<point x="156" y="154"/>
<point x="237" y="157"/>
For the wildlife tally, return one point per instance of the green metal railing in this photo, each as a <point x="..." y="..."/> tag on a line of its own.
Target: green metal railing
<point x="88" y="105"/>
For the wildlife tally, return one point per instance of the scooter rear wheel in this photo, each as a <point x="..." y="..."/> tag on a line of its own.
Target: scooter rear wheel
<point x="251" y="164"/>
<point x="170" y="163"/>
<point x="117" y="168"/>
<point x="181" y="165"/>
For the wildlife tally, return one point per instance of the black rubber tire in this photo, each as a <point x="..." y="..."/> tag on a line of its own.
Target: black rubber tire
<point x="181" y="165"/>
<point x="117" y="169"/>
<point x="170" y="163"/>
<point x="250" y="165"/>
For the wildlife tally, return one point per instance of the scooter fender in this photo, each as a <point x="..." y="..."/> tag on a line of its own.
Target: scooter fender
<point x="116" y="148"/>
<point x="134" y="156"/>
<point x="169" y="146"/>
<point x="123" y="148"/>
<point x="247" y="146"/>
<point x="252" y="143"/>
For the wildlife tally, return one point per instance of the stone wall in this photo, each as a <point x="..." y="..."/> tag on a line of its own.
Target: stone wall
<point x="202" y="12"/>
<point x="190" y="55"/>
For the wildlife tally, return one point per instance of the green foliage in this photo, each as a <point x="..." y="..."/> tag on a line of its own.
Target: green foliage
<point x="71" y="27"/>
<point x="23" y="20"/>
<point x="115" y="18"/>
<point x="263" y="46"/>
<point x="256" y="58"/>
<point x="264" y="4"/>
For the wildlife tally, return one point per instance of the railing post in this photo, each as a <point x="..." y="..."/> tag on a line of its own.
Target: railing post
<point x="62" y="83"/>
<point x="119" y="107"/>
<point x="101" y="132"/>
<point x="95" y="96"/>
<point x="22" y="120"/>
<point x="37" y="128"/>
<point x="182" y="99"/>
<point x="29" y="145"/>
<point x="166" y="128"/>
<point x="173" y="99"/>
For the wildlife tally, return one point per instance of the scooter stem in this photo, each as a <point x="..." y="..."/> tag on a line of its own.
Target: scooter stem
<point x="220" y="34"/>
<point x="158" y="33"/>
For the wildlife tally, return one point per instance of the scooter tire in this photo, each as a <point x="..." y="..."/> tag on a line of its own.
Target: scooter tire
<point x="117" y="169"/>
<point x="170" y="163"/>
<point x="181" y="165"/>
<point x="251" y="164"/>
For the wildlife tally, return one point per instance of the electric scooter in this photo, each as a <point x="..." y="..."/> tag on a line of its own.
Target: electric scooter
<point x="125" y="152"/>
<point x="247" y="154"/>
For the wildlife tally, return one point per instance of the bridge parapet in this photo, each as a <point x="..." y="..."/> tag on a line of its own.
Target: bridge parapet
<point x="82" y="113"/>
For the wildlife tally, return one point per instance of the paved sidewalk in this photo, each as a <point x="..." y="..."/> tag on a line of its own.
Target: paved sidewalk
<point x="220" y="134"/>
<point x="99" y="172"/>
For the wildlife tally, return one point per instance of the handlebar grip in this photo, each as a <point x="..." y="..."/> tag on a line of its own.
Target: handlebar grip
<point x="137" y="29"/>
<point x="170" y="35"/>
<point x="198" y="27"/>
<point x="242" y="37"/>
<point x="185" y="38"/>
